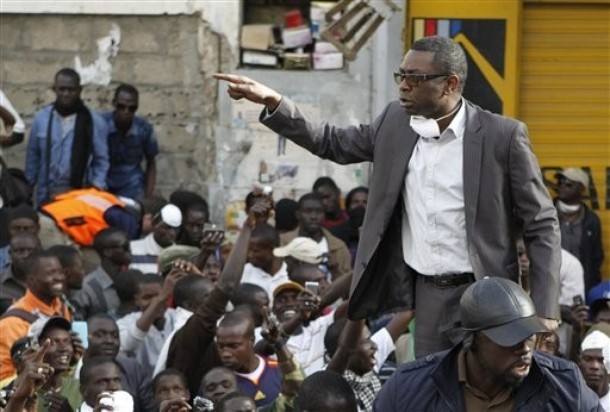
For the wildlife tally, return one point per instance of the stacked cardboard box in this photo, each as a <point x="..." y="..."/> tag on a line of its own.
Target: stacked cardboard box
<point x="295" y="46"/>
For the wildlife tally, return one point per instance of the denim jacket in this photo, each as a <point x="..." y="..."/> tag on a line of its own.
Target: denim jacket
<point x="61" y="153"/>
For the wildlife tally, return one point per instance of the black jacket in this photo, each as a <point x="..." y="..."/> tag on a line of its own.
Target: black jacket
<point x="431" y="384"/>
<point x="591" y="250"/>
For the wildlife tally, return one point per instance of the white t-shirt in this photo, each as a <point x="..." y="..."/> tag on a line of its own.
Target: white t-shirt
<point x="258" y="276"/>
<point x="308" y="347"/>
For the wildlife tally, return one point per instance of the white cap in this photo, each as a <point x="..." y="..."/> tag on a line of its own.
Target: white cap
<point x="598" y="340"/>
<point x="171" y="215"/>
<point x="301" y="248"/>
<point x="575" y="174"/>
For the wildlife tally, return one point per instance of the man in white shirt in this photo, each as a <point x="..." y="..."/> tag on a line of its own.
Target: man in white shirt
<point x="263" y="268"/>
<point x="447" y="181"/>
<point x="145" y="252"/>
<point x="11" y="119"/>
<point x="143" y="333"/>
<point x="594" y="363"/>
<point x="189" y="292"/>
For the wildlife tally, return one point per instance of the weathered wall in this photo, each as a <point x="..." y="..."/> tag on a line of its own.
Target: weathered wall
<point x="169" y="58"/>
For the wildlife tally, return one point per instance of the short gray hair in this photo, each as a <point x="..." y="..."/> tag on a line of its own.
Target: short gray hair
<point x="448" y="56"/>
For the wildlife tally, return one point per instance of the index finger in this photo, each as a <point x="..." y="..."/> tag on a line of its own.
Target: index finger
<point x="42" y="350"/>
<point x="232" y="78"/>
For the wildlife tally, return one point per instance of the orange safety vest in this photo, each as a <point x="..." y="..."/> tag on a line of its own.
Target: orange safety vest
<point x="80" y="213"/>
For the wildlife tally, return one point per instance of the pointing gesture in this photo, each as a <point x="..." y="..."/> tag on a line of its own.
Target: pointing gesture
<point x="241" y="87"/>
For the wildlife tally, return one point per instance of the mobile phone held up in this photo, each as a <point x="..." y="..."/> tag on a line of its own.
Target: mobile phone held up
<point x="312" y="287"/>
<point x="212" y="228"/>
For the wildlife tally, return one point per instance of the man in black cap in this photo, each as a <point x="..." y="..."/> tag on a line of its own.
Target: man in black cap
<point x="494" y="366"/>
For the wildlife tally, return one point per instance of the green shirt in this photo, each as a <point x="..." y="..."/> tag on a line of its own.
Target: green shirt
<point x="70" y="389"/>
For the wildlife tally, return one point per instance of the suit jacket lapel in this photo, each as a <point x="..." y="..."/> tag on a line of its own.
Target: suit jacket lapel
<point x="404" y="142"/>
<point x="471" y="169"/>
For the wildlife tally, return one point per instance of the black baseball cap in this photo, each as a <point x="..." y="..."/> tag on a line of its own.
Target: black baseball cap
<point x="500" y="309"/>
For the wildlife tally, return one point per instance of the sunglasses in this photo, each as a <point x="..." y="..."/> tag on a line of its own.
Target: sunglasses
<point x="122" y="107"/>
<point x="415" y="79"/>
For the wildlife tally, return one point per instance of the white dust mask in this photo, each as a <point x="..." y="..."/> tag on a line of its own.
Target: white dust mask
<point x="428" y="128"/>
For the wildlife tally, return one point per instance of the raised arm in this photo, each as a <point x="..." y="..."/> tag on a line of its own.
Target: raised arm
<point x="232" y="272"/>
<point x="353" y="144"/>
<point x="348" y="342"/>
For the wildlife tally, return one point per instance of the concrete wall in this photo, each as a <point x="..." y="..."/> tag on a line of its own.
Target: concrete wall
<point x="169" y="50"/>
<point x="169" y="58"/>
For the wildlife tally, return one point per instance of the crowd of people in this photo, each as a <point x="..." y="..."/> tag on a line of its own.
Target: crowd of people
<point x="453" y="282"/>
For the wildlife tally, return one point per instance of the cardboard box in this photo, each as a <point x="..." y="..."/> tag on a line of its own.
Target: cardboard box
<point x="256" y="36"/>
<point x="259" y="58"/>
<point x="325" y="47"/>
<point x="297" y="37"/>
<point x="297" y="61"/>
<point x="327" y="61"/>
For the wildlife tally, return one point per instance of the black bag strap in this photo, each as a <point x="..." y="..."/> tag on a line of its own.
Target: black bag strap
<point x="21" y="314"/>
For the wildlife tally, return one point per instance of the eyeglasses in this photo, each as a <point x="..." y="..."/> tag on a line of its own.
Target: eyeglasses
<point x="565" y="182"/>
<point x="415" y="79"/>
<point x="123" y="107"/>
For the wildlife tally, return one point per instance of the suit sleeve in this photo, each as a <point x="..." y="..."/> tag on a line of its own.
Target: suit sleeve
<point x="353" y="144"/>
<point x="533" y="205"/>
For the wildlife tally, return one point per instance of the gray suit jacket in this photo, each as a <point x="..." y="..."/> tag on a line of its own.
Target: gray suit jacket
<point x="502" y="179"/>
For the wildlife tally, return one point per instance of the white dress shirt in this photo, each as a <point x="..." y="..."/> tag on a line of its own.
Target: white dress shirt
<point x="181" y="315"/>
<point x="434" y="220"/>
<point x="145" y="346"/>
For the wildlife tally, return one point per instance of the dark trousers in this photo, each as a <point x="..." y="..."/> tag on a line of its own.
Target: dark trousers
<point x="437" y="316"/>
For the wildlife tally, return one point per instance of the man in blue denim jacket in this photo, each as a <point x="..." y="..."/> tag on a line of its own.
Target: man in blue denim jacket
<point x="67" y="148"/>
<point x="131" y="139"/>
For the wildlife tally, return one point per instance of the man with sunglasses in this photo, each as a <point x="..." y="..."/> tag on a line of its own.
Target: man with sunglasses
<point x="447" y="181"/>
<point x="131" y="139"/>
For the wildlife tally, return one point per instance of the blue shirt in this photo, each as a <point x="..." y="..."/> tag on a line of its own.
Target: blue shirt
<point x="126" y="176"/>
<point x="61" y="153"/>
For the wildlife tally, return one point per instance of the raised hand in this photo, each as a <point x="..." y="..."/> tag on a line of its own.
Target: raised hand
<point x="79" y="348"/>
<point x="259" y="209"/>
<point x="242" y="87"/>
<point x="307" y="304"/>
<point x="270" y="328"/>
<point x="36" y="372"/>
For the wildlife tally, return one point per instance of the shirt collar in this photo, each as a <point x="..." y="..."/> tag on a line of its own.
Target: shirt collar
<point x="457" y="125"/>
<point x="112" y="125"/>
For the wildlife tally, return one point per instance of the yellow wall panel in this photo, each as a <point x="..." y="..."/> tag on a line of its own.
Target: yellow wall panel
<point x="565" y="92"/>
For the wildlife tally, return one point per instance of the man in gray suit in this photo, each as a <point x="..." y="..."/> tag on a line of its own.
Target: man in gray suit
<point x="449" y="182"/>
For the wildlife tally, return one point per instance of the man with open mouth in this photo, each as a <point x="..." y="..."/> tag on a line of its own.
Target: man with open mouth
<point x="495" y="366"/>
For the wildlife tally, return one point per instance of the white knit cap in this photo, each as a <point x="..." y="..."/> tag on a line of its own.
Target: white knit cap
<point x="171" y="215"/>
<point x="598" y="340"/>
